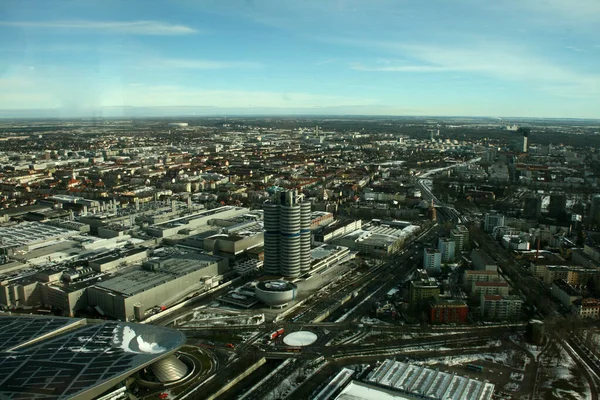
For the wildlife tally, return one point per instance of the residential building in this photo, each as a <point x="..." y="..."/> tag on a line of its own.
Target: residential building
<point x="565" y="293"/>
<point x="492" y="221"/>
<point x="423" y="288"/>
<point x="558" y="205"/>
<point x="432" y="260"/>
<point x="460" y="236"/>
<point x="482" y="261"/>
<point x="532" y="207"/>
<point x="499" y="287"/>
<point x="588" y="308"/>
<point x="573" y="274"/>
<point x="448" y="311"/>
<point x="515" y="242"/>
<point x="595" y="210"/>
<point x="500" y="308"/>
<point x="471" y="276"/>
<point x="447" y="247"/>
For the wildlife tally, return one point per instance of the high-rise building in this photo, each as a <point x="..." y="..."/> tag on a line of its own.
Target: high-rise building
<point x="431" y="213"/>
<point x="492" y="221"/>
<point x="558" y="205"/>
<point x="524" y="140"/>
<point x="595" y="209"/>
<point x="447" y="248"/>
<point x="432" y="260"/>
<point x="423" y="288"/>
<point x="287" y="234"/>
<point x="532" y="207"/>
<point x="460" y="235"/>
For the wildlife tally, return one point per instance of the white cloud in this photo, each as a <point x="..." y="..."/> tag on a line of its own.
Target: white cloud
<point x="175" y="96"/>
<point x="497" y="60"/>
<point x="181" y="63"/>
<point x="401" y="68"/>
<point x="579" y="10"/>
<point x="70" y="89"/>
<point x="126" y="27"/>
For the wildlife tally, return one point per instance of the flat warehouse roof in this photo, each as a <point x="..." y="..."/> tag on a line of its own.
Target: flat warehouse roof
<point x="139" y="280"/>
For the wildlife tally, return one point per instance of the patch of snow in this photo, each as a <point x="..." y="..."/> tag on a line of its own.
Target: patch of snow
<point x="130" y="342"/>
<point x="149" y="347"/>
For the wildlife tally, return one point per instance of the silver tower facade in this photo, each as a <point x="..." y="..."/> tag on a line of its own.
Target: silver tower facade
<point x="287" y="234"/>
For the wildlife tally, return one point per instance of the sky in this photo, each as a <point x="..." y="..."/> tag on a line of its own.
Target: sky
<point x="520" y="58"/>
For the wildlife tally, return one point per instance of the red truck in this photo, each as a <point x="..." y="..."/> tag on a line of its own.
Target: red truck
<point x="275" y="334"/>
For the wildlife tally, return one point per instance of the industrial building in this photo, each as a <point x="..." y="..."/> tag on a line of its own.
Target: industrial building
<point x="319" y="219"/>
<point x="378" y="238"/>
<point x="160" y="282"/>
<point x="287" y="237"/>
<point x="326" y="255"/>
<point x="422" y="382"/>
<point x="27" y="236"/>
<point x="190" y="223"/>
<point x="230" y="245"/>
<point x="78" y="359"/>
<point x="337" y="229"/>
<point x="113" y="261"/>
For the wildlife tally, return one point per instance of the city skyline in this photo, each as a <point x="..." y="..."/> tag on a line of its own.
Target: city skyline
<point x="531" y="58"/>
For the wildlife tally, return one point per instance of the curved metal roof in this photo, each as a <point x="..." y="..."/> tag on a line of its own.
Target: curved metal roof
<point x="83" y="358"/>
<point x="169" y="369"/>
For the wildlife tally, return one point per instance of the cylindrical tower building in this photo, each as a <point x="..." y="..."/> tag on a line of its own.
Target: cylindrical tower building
<point x="287" y="235"/>
<point x="305" y="219"/>
<point x="271" y="262"/>
<point x="289" y="240"/>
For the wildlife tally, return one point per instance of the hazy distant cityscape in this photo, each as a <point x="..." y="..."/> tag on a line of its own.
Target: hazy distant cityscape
<point x="300" y="200"/>
<point x="299" y="257"/>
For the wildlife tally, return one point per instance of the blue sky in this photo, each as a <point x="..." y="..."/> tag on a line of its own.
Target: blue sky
<point x="529" y="58"/>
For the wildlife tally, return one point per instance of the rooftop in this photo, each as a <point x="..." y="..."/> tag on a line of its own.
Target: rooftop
<point x="139" y="280"/>
<point x="66" y="358"/>
<point x="424" y="382"/>
<point x="498" y="283"/>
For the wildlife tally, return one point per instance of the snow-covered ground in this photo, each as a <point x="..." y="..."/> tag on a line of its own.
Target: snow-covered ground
<point x="561" y="378"/>
<point x="533" y="349"/>
<point x="210" y="316"/>
<point x="373" y="321"/>
<point x="510" y="358"/>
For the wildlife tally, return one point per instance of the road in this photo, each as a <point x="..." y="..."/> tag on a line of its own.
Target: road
<point x="339" y="309"/>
